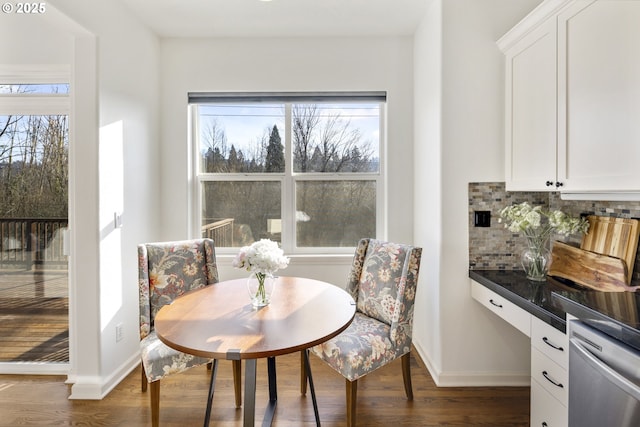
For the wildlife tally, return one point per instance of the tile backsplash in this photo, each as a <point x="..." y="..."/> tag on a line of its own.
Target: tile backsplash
<point x="497" y="248"/>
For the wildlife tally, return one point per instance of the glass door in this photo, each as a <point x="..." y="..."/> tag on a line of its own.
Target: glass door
<point x="34" y="176"/>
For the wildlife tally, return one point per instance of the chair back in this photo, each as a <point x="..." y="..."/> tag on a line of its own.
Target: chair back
<point x="167" y="270"/>
<point x="383" y="282"/>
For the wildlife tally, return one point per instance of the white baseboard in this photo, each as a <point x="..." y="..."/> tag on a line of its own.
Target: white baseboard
<point x="484" y="379"/>
<point x="96" y="388"/>
<point x="473" y="379"/>
<point x="86" y="387"/>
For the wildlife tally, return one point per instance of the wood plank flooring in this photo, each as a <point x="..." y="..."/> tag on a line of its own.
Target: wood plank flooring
<point x="42" y="400"/>
<point x="34" y="327"/>
<point x="34" y="316"/>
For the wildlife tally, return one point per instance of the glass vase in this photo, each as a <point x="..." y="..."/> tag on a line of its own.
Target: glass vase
<point x="260" y="287"/>
<point x="535" y="262"/>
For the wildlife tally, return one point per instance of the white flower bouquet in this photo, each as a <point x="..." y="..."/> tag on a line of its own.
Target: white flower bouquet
<point x="263" y="256"/>
<point x="530" y="220"/>
<point x="262" y="259"/>
<point x="537" y="224"/>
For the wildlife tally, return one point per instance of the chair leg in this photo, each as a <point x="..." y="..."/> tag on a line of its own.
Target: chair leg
<point x="144" y="381"/>
<point x="303" y="375"/>
<point x="237" y="381"/>
<point x="155" y="403"/>
<point x="406" y="375"/>
<point x="352" y="393"/>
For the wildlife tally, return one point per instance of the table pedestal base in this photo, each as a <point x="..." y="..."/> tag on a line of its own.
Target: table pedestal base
<point x="249" y="411"/>
<point x="214" y="370"/>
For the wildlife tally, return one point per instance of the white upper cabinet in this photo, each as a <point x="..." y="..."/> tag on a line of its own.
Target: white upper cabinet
<point x="599" y="96"/>
<point x="531" y="115"/>
<point x="572" y="110"/>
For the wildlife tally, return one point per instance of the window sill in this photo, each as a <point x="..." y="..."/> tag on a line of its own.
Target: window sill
<point x="306" y="259"/>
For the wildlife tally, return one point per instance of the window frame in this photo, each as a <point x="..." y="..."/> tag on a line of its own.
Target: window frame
<point x="40" y="103"/>
<point x="288" y="179"/>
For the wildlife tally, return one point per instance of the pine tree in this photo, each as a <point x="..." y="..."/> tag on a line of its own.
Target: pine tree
<point x="233" y="161"/>
<point x="275" y="152"/>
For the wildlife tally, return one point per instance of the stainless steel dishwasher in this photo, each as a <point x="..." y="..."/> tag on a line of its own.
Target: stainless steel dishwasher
<point x="604" y="379"/>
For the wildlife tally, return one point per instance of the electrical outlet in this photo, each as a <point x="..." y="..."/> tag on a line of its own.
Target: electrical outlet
<point x="119" y="330"/>
<point x="482" y="219"/>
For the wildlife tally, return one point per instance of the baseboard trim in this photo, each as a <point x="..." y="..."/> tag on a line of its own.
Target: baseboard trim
<point x="484" y="379"/>
<point x="96" y="388"/>
<point x="472" y="379"/>
<point x="121" y="373"/>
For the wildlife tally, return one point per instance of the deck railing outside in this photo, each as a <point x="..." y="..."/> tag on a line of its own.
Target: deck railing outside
<point x="220" y="230"/>
<point x="32" y="243"/>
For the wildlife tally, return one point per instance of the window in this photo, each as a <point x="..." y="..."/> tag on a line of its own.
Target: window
<point x="303" y="170"/>
<point x="34" y="145"/>
<point x="34" y="178"/>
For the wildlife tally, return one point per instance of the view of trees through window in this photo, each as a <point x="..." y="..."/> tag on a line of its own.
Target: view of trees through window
<point x="34" y="171"/>
<point x="324" y="172"/>
<point x="34" y="177"/>
<point x="34" y="158"/>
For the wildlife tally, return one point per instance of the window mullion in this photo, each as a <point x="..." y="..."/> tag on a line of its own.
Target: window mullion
<point x="288" y="187"/>
<point x="35" y="105"/>
<point x="195" y="199"/>
<point x="381" y="179"/>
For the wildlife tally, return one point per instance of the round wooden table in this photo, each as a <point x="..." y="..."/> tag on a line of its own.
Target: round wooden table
<point x="219" y="322"/>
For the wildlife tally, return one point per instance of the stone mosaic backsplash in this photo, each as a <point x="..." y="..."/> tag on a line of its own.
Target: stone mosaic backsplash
<point x="497" y="248"/>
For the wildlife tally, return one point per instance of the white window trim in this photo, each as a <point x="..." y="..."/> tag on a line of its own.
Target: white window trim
<point x="288" y="181"/>
<point x="38" y="104"/>
<point x="16" y="74"/>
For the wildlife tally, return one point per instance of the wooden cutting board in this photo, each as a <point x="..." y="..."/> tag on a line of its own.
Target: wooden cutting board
<point x="596" y="271"/>
<point x="615" y="237"/>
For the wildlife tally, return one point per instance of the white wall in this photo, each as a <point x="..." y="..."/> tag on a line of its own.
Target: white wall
<point x="458" y="63"/>
<point x="287" y="64"/>
<point x="115" y="170"/>
<point x="428" y="184"/>
<point x="34" y="39"/>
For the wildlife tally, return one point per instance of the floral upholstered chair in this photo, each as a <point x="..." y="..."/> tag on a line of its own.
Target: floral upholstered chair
<point x="166" y="271"/>
<point x="382" y="281"/>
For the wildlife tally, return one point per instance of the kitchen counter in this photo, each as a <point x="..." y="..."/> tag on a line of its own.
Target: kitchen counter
<point x="614" y="313"/>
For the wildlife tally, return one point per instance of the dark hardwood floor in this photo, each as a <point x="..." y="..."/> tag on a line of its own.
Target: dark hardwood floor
<point x="42" y="400"/>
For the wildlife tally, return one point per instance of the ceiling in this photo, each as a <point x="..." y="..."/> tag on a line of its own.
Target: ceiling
<point x="278" y="18"/>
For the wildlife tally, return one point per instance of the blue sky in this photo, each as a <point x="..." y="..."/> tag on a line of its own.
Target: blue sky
<point x="246" y="124"/>
<point x="34" y="88"/>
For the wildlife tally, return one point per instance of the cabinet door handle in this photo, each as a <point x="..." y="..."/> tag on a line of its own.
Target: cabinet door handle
<point x="544" y="424"/>
<point x="495" y="303"/>
<point x="546" y="375"/>
<point x="549" y="183"/>
<point x="550" y="344"/>
<point x="559" y="184"/>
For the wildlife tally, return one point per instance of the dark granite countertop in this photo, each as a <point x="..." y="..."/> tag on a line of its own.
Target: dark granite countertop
<point x="614" y="313"/>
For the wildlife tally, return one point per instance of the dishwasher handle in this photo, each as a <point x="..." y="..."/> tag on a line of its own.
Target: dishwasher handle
<point x="607" y="371"/>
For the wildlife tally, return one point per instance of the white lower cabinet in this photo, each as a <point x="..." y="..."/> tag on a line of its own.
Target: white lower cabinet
<point x="546" y="411"/>
<point x="549" y="375"/>
<point x="549" y="358"/>
<point x="501" y="306"/>
<point x="550" y="341"/>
